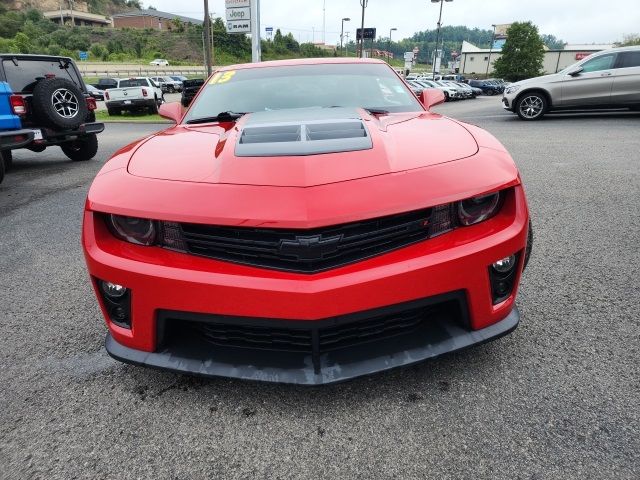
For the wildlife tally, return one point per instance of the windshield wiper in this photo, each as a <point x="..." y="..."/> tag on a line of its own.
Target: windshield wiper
<point x="376" y="111"/>
<point x="222" y="116"/>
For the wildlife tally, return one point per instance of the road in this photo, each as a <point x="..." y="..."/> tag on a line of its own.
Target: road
<point x="558" y="398"/>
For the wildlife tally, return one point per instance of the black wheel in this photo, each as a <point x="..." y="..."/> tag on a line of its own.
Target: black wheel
<point x="171" y="89"/>
<point x="7" y="159"/>
<point x="1" y="168"/>
<point x="113" y="111"/>
<point x="84" y="148"/>
<point x="527" y="251"/>
<point x="59" y="103"/>
<point x="153" y="108"/>
<point x="531" y="106"/>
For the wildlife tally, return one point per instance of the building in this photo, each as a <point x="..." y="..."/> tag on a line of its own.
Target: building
<point x="474" y="60"/>
<point x="77" y="18"/>
<point x="151" y="19"/>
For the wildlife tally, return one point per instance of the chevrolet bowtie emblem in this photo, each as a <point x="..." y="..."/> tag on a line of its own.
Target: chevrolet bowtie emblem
<point x="310" y="247"/>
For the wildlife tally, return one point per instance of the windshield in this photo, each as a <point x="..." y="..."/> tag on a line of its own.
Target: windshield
<point x="371" y="86"/>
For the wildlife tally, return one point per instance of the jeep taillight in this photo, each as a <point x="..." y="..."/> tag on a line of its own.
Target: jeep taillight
<point x="91" y="104"/>
<point x="144" y="93"/>
<point x="18" y="105"/>
<point x="106" y="95"/>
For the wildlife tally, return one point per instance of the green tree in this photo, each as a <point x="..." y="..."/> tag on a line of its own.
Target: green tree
<point x="629" y="40"/>
<point x="522" y="54"/>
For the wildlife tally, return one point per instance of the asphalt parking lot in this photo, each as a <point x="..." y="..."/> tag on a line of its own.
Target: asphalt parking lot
<point x="558" y="398"/>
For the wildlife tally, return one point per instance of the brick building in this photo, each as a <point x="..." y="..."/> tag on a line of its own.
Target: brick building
<point x="150" y="19"/>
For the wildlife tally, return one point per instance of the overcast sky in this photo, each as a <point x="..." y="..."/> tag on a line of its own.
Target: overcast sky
<point x="574" y="21"/>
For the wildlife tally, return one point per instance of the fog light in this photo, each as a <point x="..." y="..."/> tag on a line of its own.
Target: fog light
<point x="113" y="290"/>
<point x="505" y="265"/>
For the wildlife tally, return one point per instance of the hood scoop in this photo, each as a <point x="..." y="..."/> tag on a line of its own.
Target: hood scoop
<point x="308" y="134"/>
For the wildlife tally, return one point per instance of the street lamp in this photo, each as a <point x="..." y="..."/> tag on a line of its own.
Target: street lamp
<point x="435" y="55"/>
<point x="493" y="39"/>
<point x="389" y="45"/>
<point x="345" y="19"/>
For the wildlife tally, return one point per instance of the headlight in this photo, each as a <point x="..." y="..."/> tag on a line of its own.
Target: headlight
<point x="477" y="209"/>
<point x="512" y="89"/>
<point x="134" y="230"/>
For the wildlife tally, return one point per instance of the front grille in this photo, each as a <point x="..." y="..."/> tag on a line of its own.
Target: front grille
<point x="391" y="326"/>
<point x="308" y="251"/>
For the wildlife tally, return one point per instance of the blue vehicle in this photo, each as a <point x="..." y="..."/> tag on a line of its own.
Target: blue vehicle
<point x="44" y="102"/>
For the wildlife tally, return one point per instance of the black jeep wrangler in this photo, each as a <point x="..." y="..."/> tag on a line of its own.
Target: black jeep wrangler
<point x="44" y="102"/>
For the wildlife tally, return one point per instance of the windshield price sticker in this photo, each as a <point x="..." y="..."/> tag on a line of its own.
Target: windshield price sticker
<point x="222" y="77"/>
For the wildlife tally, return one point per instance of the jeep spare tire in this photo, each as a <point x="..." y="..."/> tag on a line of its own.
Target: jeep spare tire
<point x="59" y="103"/>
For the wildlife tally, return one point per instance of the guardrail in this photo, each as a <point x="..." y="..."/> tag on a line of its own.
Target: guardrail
<point x="138" y="71"/>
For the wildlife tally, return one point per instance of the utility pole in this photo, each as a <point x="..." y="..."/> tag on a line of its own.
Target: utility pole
<point x="436" y="55"/>
<point x="207" y="41"/>
<point x="363" y="3"/>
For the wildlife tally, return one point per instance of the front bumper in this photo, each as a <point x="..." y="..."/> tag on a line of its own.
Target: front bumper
<point x="439" y="337"/>
<point x="27" y="138"/>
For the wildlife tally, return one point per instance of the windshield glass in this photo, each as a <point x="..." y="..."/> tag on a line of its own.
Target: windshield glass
<point x="371" y="86"/>
<point x="22" y="74"/>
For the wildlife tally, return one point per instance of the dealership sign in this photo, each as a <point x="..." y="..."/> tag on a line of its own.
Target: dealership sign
<point x="238" y="16"/>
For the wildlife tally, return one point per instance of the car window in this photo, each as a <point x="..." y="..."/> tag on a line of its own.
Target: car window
<point x="603" y="62"/>
<point x="21" y="74"/>
<point x="629" y="59"/>
<point x="304" y="86"/>
<point x="134" y="82"/>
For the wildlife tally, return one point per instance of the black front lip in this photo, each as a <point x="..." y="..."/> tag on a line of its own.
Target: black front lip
<point x="336" y="366"/>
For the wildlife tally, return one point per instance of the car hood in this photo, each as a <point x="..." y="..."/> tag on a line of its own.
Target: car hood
<point x="266" y="149"/>
<point x="538" y="80"/>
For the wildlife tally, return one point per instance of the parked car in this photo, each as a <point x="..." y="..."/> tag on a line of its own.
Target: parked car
<point x="190" y="88"/>
<point x="487" y="88"/>
<point x="415" y="87"/>
<point x="95" y="93"/>
<point x="454" y="77"/>
<point x="44" y="102"/>
<point x="449" y="93"/>
<point x="134" y="94"/>
<point x="462" y="93"/>
<point x="606" y="79"/>
<point x="276" y="236"/>
<point x="168" y="84"/>
<point x="470" y="91"/>
<point x="104" y="83"/>
<point x="159" y="62"/>
<point x="178" y="78"/>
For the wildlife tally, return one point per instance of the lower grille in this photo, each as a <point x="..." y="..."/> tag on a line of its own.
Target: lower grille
<point x="314" y="338"/>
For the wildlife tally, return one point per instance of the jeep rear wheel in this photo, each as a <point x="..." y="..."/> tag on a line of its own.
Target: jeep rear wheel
<point x="531" y="106"/>
<point x="84" y="148"/>
<point x="59" y="103"/>
<point x="6" y="157"/>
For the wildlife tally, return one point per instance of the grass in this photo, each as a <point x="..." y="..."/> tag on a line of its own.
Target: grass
<point x="103" y="116"/>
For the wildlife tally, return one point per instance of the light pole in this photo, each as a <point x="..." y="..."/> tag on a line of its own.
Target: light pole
<point x="345" y="19"/>
<point x="389" y="45"/>
<point x="207" y="40"/>
<point x="486" y="74"/>
<point x="435" y="55"/>
<point x="363" y="3"/>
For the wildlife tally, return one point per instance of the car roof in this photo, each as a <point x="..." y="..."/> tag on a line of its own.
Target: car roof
<point x="302" y="61"/>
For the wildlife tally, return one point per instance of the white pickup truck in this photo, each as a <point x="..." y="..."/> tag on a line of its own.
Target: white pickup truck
<point x="133" y="94"/>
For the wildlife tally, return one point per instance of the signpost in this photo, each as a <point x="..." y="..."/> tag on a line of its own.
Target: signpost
<point x="83" y="56"/>
<point x="243" y="16"/>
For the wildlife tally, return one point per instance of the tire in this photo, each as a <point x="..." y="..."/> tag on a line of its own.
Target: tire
<point x="7" y="159"/>
<point x="171" y="89"/>
<point x="153" y="108"/>
<point x="527" y="251"/>
<point x="531" y="106"/>
<point x="2" y="168"/>
<point x="84" y="148"/>
<point x="114" y="112"/>
<point x="58" y="103"/>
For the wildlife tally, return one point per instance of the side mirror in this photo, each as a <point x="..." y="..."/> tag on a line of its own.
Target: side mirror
<point x="430" y="97"/>
<point x="172" y="111"/>
<point x="576" y="71"/>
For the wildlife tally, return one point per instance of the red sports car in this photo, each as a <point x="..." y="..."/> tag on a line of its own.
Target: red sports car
<point x="306" y="221"/>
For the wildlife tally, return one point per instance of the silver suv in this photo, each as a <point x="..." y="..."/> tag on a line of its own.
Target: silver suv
<point x="610" y="78"/>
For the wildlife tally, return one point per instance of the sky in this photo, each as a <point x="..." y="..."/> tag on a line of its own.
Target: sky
<point x="574" y="21"/>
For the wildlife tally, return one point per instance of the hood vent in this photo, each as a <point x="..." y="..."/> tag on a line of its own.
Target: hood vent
<point x="303" y="138"/>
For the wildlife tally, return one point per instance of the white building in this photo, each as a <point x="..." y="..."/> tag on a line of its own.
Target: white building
<point x="474" y="60"/>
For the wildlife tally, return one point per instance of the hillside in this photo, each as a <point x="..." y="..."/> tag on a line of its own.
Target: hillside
<point x="103" y="7"/>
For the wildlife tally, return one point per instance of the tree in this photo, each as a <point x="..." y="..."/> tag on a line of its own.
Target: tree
<point x="552" y="42"/>
<point x="522" y="54"/>
<point x="629" y="40"/>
